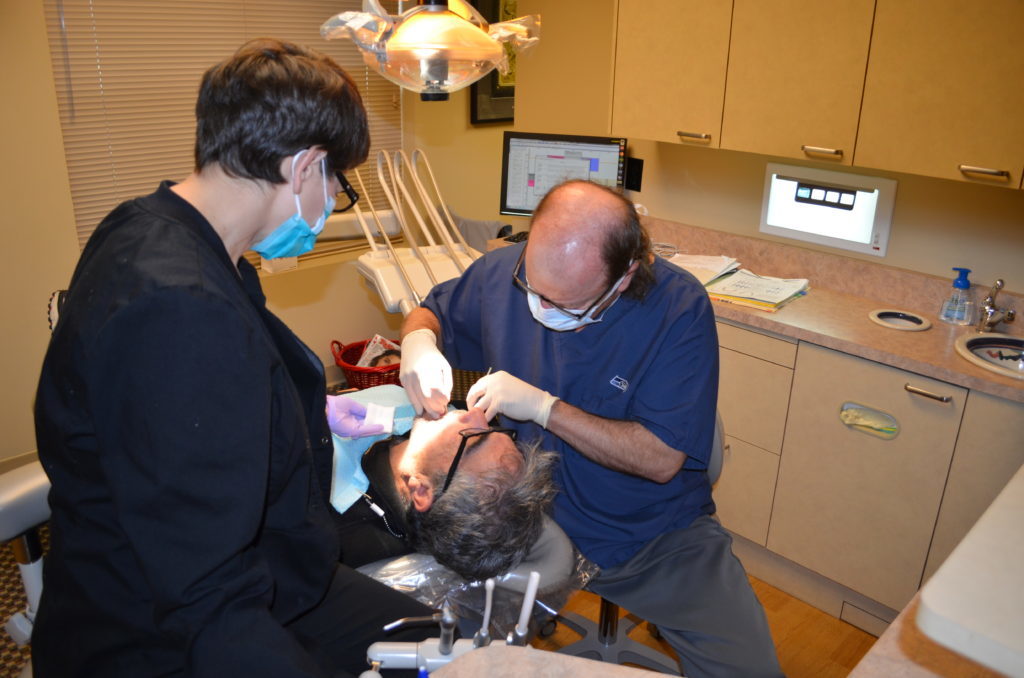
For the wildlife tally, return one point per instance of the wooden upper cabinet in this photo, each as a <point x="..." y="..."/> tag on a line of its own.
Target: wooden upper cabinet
<point x="796" y="74"/>
<point x="670" y="66"/>
<point x="945" y="90"/>
<point x="564" y="83"/>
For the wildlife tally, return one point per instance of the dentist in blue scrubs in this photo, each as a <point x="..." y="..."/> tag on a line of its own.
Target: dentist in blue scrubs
<point x="610" y="356"/>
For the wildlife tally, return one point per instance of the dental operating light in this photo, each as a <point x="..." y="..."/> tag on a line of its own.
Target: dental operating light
<point x="434" y="48"/>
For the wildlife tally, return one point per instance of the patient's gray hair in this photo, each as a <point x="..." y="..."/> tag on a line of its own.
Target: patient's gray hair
<point x="485" y="523"/>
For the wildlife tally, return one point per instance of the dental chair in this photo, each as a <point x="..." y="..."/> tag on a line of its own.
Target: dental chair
<point x="23" y="509"/>
<point x="603" y="640"/>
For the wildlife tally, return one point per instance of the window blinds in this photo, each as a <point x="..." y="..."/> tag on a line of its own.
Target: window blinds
<point x="127" y="73"/>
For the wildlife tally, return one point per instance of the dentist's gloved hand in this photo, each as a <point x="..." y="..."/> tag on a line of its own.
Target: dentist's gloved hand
<point x="501" y="393"/>
<point x="425" y="374"/>
<point x="347" y="418"/>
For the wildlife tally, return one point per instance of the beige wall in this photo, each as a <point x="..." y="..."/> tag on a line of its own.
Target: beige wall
<point x="937" y="224"/>
<point x="326" y="303"/>
<point x="38" y="222"/>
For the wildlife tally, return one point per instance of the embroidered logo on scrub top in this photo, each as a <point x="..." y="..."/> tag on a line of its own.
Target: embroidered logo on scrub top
<point x="619" y="383"/>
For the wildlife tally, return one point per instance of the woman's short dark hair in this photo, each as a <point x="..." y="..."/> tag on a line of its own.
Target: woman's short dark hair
<point x="272" y="99"/>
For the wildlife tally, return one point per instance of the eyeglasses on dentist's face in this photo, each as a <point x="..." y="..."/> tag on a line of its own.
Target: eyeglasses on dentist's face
<point x="468" y="434"/>
<point x="575" y="315"/>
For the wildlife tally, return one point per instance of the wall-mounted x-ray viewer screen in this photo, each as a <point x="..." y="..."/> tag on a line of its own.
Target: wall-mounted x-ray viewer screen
<point x="839" y="209"/>
<point x="531" y="164"/>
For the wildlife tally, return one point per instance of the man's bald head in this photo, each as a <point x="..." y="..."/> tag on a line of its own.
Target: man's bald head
<point x="582" y="231"/>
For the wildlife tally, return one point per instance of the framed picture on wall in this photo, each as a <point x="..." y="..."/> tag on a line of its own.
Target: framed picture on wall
<point x="492" y="98"/>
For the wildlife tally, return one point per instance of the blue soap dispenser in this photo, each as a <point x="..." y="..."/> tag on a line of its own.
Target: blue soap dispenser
<point x="959" y="308"/>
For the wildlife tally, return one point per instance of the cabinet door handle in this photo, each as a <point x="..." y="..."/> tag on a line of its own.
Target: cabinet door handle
<point x="821" y="150"/>
<point x="927" y="394"/>
<point x="987" y="171"/>
<point x="694" y="135"/>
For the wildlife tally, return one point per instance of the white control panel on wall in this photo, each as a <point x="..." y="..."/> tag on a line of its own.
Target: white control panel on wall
<point x="839" y="209"/>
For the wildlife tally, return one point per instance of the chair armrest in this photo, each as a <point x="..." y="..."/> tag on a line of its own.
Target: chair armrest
<point x="23" y="503"/>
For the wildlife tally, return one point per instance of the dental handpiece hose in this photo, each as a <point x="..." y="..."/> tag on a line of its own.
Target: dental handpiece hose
<point x="518" y="635"/>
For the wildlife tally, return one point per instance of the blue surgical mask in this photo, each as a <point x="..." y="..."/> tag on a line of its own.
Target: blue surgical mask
<point x="554" y="319"/>
<point x="295" y="236"/>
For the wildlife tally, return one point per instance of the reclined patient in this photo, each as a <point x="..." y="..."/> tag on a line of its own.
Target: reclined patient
<point x="396" y="494"/>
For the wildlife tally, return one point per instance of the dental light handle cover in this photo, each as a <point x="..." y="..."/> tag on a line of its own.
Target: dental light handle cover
<point x="518" y="635"/>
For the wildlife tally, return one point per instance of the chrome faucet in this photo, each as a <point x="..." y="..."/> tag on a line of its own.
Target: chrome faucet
<point x="991" y="315"/>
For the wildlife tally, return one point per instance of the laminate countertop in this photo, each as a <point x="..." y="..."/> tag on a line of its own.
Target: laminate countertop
<point x="843" y="291"/>
<point x="840" y="321"/>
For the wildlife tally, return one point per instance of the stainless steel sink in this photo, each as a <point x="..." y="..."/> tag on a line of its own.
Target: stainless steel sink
<point x="1000" y="353"/>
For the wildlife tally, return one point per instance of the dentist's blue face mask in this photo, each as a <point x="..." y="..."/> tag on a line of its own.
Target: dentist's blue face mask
<point x="295" y="236"/>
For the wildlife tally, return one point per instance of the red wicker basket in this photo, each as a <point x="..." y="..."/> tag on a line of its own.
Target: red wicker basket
<point x="346" y="358"/>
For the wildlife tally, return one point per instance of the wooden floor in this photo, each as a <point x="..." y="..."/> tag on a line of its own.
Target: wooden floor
<point x="809" y="642"/>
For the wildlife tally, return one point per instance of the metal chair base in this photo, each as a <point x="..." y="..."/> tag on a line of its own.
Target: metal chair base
<point x="602" y="641"/>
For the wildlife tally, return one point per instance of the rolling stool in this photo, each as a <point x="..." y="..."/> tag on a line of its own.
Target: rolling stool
<point x="603" y="641"/>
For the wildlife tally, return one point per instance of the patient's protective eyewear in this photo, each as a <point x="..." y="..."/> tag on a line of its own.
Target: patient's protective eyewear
<point x="576" y="315"/>
<point x="467" y="434"/>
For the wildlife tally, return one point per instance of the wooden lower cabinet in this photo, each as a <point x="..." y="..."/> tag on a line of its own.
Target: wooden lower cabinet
<point x="855" y="507"/>
<point x="756" y="372"/>
<point x="745" y="490"/>
<point x="989" y="450"/>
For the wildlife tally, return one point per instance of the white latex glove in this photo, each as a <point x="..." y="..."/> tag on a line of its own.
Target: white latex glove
<point x="425" y="374"/>
<point x="501" y="393"/>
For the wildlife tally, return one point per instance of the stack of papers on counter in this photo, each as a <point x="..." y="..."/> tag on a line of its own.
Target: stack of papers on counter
<point x="705" y="268"/>
<point x="757" y="291"/>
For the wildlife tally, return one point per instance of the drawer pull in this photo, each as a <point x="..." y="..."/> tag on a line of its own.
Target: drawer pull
<point x="927" y="394"/>
<point x="971" y="169"/>
<point x="821" y="150"/>
<point x="694" y="135"/>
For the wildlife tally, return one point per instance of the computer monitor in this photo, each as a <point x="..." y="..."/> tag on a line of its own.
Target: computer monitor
<point x="531" y="164"/>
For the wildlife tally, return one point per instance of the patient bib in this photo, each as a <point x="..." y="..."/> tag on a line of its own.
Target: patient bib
<point x="348" y="481"/>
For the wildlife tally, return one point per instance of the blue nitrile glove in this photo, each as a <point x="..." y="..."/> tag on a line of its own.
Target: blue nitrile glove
<point x="347" y="418"/>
